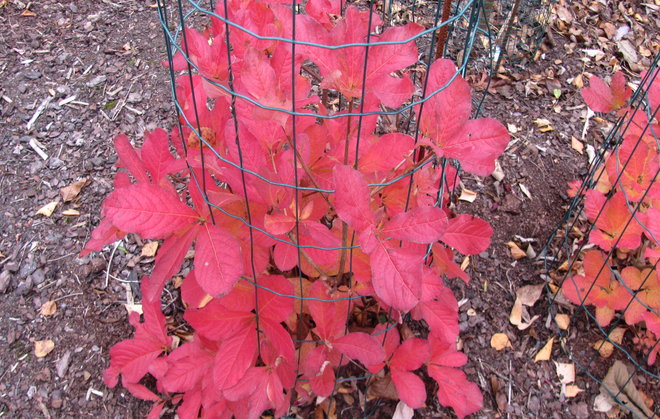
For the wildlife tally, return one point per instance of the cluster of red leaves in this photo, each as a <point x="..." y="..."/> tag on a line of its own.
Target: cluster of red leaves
<point x="260" y="244"/>
<point x="624" y="207"/>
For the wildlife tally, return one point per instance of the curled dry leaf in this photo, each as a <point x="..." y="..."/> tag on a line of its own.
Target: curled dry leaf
<point x="525" y="296"/>
<point x="48" y="308"/>
<point x="43" y="347"/>
<point x="545" y="352"/>
<point x="47" y="210"/>
<point x="500" y="341"/>
<point x="467" y="195"/>
<point x="563" y="320"/>
<point x="619" y="381"/>
<point x="149" y="249"/>
<point x="516" y="251"/>
<point x="69" y="193"/>
<point x="498" y="173"/>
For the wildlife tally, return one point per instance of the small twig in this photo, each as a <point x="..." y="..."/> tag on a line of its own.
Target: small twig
<point x="35" y="146"/>
<point x="38" y="112"/>
<point x="61" y="257"/>
<point x="510" y="391"/>
<point x="67" y="296"/>
<point x="107" y="270"/>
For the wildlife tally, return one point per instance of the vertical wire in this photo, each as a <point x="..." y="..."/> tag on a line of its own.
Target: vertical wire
<point x="194" y="102"/>
<point x="355" y="164"/>
<point x="230" y="81"/>
<point x="162" y="11"/>
<point x="418" y="156"/>
<point x="295" y="181"/>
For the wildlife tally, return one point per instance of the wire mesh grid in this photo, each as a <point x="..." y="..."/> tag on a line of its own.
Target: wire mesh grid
<point x="604" y="258"/>
<point x="517" y="27"/>
<point x="207" y="98"/>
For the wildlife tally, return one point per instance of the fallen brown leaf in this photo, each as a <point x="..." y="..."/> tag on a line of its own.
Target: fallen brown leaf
<point x="47" y="210"/>
<point x="577" y="145"/>
<point x="48" y="308"/>
<point x="149" y="249"/>
<point x="43" y="347"/>
<point x="525" y="296"/>
<point x="571" y="390"/>
<point x="545" y="352"/>
<point x="516" y="252"/>
<point x="69" y="193"/>
<point x="563" y="320"/>
<point x="605" y="347"/>
<point x="500" y="341"/>
<point x="28" y="13"/>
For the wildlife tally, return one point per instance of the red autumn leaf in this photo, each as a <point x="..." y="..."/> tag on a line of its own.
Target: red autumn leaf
<point x="441" y="317"/>
<point x="386" y="153"/>
<point x="279" y="223"/>
<point x="410" y="388"/>
<point x="410" y="355"/>
<point x="218" y="262"/>
<point x="615" y="223"/>
<point x="187" y="366"/>
<point x="453" y="388"/>
<point x="129" y="158"/>
<point x="600" y="97"/>
<point x="455" y="391"/>
<point x="352" y="198"/>
<point x="635" y="165"/>
<point x="168" y="260"/>
<point x="253" y="387"/>
<point x="104" y="233"/>
<point x="147" y="210"/>
<point x="361" y="347"/>
<point x="319" y="371"/>
<point x="132" y="357"/>
<point x="645" y="286"/>
<point x="271" y="305"/>
<point x="468" y="234"/>
<point x="419" y="225"/>
<point x="155" y="154"/>
<point x="443" y="263"/>
<point x="216" y="322"/>
<point x="235" y="356"/>
<point x="396" y="275"/>
<point x="329" y="316"/>
<point x="475" y="143"/>
<point x="279" y="338"/>
<point x="141" y="392"/>
<point x="343" y="69"/>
